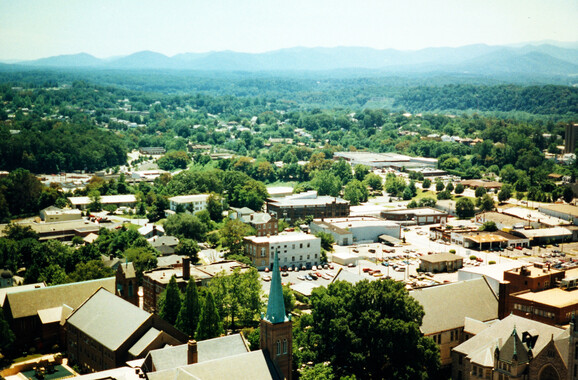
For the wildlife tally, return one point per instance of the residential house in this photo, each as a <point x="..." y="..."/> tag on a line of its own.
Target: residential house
<point x="263" y="223"/>
<point x="441" y="262"/>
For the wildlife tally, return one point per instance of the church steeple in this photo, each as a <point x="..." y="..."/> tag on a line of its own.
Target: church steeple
<point x="276" y="328"/>
<point x="276" y="305"/>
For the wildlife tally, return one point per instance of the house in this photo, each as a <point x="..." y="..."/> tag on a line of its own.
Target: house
<point x="441" y="262"/>
<point x="149" y="230"/>
<point x="295" y="249"/>
<point x="300" y="206"/>
<point x="166" y="245"/>
<point x="263" y="223"/>
<point x="106" y="331"/>
<point x="354" y="230"/>
<point x="515" y="348"/>
<point x="191" y="203"/>
<point x="34" y="315"/>
<point x="55" y="214"/>
<point x="447" y="306"/>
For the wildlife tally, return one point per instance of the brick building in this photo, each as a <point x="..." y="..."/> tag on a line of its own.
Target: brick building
<point x="302" y="205"/>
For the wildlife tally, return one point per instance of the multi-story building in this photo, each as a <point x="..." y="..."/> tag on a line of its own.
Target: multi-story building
<point x="295" y="249"/>
<point x="515" y="348"/>
<point x="156" y="280"/>
<point x="300" y="206"/>
<point x="447" y="307"/>
<point x="107" y="331"/>
<point x="191" y="203"/>
<point x="263" y="223"/>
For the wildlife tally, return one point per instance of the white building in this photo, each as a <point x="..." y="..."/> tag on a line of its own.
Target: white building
<point x="126" y="200"/>
<point x="191" y="203"/>
<point x="355" y="230"/>
<point x="55" y="214"/>
<point x="295" y="249"/>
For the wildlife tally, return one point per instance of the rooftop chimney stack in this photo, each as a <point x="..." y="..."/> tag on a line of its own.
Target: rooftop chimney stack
<point x="192" y="353"/>
<point x="186" y="268"/>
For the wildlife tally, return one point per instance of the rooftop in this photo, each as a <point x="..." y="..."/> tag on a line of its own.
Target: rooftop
<point x="562" y="208"/>
<point x="359" y="221"/>
<point x="422" y="211"/>
<point x="282" y="238"/>
<point x="446" y="306"/>
<point x="532" y="271"/>
<point x="104" y="199"/>
<point x="545" y="232"/>
<point x="488" y="338"/>
<point x="99" y="318"/>
<point x="440" y="257"/>
<point x="27" y="303"/>
<point x="555" y="297"/>
<point x="190" y="198"/>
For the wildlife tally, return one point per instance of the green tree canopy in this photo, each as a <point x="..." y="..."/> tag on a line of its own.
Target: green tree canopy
<point x="184" y="225"/>
<point x="326" y="183"/>
<point x="369" y="330"/>
<point x="355" y="192"/>
<point x="210" y="325"/>
<point x="464" y="208"/>
<point x="190" y="312"/>
<point x="327" y="240"/>
<point x="170" y="302"/>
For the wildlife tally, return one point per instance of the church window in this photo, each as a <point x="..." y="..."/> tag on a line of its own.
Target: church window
<point x="278" y="348"/>
<point x="284" y="346"/>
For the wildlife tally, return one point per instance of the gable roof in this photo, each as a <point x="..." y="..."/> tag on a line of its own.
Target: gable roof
<point x="21" y="288"/>
<point x="247" y="366"/>
<point x="446" y="306"/>
<point x="28" y="303"/>
<point x="500" y="331"/>
<point x="514" y="349"/>
<point x="100" y="318"/>
<point x="210" y="349"/>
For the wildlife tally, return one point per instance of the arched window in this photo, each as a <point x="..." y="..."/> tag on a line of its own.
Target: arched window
<point x="284" y="346"/>
<point x="548" y="372"/>
<point x="278" y="348"/>
<point x="130" y="290"/>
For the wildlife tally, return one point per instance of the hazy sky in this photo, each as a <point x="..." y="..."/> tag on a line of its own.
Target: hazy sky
<point x="104" y="28"/>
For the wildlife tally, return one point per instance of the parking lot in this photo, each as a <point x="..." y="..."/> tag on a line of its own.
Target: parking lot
<point x="377" y="260"/>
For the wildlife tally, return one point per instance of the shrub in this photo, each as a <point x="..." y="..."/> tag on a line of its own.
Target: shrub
<point x="473" y="257"/>
<point x="491" y="262"/>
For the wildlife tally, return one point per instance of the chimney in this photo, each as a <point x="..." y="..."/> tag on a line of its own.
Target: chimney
<point x="192" y="353"/>
<point x="154" y="230"/>
<point x="187" y="269"/>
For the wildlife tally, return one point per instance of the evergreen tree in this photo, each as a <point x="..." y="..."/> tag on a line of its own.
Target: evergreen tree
<point x="188" y="318"/>
<point x="6" y="335"/>
<point x="210" y="323"/>
<point x="170" y="302"/>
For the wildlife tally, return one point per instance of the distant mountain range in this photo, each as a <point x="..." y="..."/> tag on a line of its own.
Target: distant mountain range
<point x="532" y="59"/>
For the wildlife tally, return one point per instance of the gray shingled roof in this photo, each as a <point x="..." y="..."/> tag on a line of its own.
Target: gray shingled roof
<point x="108" y="319"/>
<point x="144" y="342"/>
<point x="500" y="331"/>
<point x="210" y="349"/>
<point x="27" y="303"/>
<point x="247" y="366"/>
<point x="447" y="306"/>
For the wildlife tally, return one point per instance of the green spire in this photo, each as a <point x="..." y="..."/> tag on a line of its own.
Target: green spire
<point x="276" y="305"/>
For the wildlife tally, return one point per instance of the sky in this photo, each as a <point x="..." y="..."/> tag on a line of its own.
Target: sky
<point x="31" y="29"/>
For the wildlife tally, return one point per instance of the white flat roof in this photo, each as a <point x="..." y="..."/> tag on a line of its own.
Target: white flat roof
<point x="104" y="199"/>
<point x="283" y="238"/>
<point x="351" y="222"/>
<point x="190" y="198"/>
